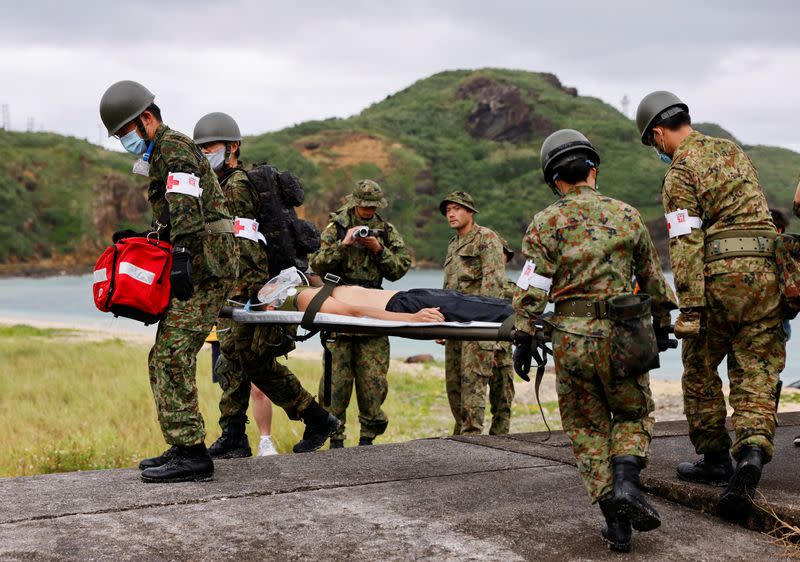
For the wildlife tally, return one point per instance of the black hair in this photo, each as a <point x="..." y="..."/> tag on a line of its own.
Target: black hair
<point x="155" y="110"/>
<point x="780" y="219"/>
<point x="675" y="122"/>
<point x="574" y="170"/>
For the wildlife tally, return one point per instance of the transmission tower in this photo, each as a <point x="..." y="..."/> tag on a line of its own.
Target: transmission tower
<point x="625" y="104"/>
<point x="6" y="117"/>
<point x="31" y="124"/>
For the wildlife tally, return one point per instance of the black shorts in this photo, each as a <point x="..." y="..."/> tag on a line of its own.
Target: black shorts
<point x="455" y="305"/>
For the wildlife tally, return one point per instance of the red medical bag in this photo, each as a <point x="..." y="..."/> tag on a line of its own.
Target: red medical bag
<point x="131" y="279"/>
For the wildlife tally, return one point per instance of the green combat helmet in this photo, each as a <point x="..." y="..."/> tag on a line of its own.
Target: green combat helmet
<point x="460" y="197"/>
<point x="655" y="108"/>
<point x="564" y="146"/>
<point x="123" y="102"/>
<point x="369" y="194"/>
<point x="216" y="126"/>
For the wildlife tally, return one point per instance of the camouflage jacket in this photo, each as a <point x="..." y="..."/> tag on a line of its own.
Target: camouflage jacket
<point x="243" y="201"/>
<point x="475" y="263"/>
<point x="714" y="180"/>
<point x="356" y="264"/>
<point x="590" y="246"/>
<point x="796" y="204"/>
<point x="213" y="255"/>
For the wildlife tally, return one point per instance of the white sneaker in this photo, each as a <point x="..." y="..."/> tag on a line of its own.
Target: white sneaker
<point x="265" y="447"/>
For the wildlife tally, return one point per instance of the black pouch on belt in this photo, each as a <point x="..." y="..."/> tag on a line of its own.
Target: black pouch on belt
<point x="634" y="349"/>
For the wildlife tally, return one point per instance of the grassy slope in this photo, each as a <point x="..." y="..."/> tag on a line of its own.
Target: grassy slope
<point x="74" y="404"/>
<point x="428" y="118"/>
<point x="46" y="192"/>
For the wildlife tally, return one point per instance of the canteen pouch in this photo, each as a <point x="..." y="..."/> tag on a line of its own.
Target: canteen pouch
<point x="634" y="350"/>
<point x="787" y="259"/>
<point x="131" y="279"/>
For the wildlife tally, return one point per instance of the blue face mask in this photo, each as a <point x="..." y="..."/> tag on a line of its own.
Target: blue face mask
<point x="663" y="157"/>
<point x="133" y="143"/>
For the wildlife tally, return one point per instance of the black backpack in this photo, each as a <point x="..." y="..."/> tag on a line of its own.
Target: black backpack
<point x="289" y="238"/>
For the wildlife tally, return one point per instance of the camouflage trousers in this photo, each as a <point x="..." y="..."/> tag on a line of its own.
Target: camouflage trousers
<point x="744" y="323"/>
<point x="468" y="368"/>
<point x="362" y="361"/>
<point x="603" y="414"/>
<point x="501" y="389"/>
<point x="173" y="360"/>
<point x="245" y="359"/>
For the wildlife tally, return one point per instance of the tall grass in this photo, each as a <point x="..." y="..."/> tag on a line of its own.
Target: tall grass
<point x="68" y="403"/>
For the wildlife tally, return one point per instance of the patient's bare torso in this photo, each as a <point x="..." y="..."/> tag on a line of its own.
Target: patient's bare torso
<point x="350" y="294"/>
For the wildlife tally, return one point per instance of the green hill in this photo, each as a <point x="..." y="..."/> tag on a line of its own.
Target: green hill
<point x="59" y="196"/>
<point x="479" y="131"/>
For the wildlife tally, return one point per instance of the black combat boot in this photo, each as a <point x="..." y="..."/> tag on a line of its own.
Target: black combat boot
<point x="365" y="441"/>
<point x="617" y="530"/>
<point x="714" y="469"/>
<point x="737" y="499"/>
<point x="192" y="463"/>
<point x="337" y="443"/>
<point x="163" y="458"/>
<point x="319" y="426"/>
<point x="233" y="443"/>
<point x="628" y="498"/>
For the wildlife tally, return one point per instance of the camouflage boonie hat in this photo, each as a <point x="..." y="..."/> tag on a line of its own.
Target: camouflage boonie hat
<point x="369" y="194"/>
<point x="462" y="198"/>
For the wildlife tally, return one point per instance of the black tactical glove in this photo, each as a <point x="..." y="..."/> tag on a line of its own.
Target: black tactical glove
<point x="523" y="350"/>
<point x="662" y="336"/>
<point x="180" y="277"/>
<point x="120" y="234"/>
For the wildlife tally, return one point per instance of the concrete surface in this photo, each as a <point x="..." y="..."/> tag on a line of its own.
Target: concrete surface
<point x="479" y="498"/>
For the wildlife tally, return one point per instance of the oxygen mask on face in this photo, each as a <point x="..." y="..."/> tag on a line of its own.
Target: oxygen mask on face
<point x="281" y="287"/>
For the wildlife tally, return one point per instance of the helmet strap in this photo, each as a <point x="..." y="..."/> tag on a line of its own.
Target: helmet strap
<point x="140" y="128"/>
<point x="227" y="155"/>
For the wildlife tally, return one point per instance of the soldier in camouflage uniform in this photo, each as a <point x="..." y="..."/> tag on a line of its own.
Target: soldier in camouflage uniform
<point x="722" y="255"/>
<point x="581" y="251"/>
<point x="364" y="261"/>
<point x="246" y="356"/>
<point x="189" y="210"/>
<point x="501" y="381"/>
<point x="475" y="265"/>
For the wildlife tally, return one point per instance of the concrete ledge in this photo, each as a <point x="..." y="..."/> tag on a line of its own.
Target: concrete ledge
<point x="481" y="498"/>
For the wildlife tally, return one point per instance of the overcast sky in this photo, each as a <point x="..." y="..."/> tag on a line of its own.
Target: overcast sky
<point x="273" y="64"/>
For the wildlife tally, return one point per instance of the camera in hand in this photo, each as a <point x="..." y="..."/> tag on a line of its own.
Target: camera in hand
<point x="366" y="232"/>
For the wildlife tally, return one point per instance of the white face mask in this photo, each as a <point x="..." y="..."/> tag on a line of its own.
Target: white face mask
<point x="216" y="159"/>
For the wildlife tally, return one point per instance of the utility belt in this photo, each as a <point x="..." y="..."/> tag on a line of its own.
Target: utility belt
<point x="578" y="308"/>
<point x="740" y="244"/>
<point x="218" y="227"/>
<point x="634" y="349"/>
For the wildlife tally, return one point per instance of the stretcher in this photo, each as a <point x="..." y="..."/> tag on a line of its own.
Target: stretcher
<point x="467" y="331"/>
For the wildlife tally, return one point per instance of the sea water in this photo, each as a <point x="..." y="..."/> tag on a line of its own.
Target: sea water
<point x="67" y="301"/>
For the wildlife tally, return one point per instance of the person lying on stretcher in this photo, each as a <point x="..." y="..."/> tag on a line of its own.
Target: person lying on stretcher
<point x="290" y="291"/>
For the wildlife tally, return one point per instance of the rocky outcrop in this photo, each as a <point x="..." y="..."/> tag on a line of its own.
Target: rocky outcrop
<point x="500" y="113"/>
<point x="116" y="200"/>
<point x="553" y="80"/>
